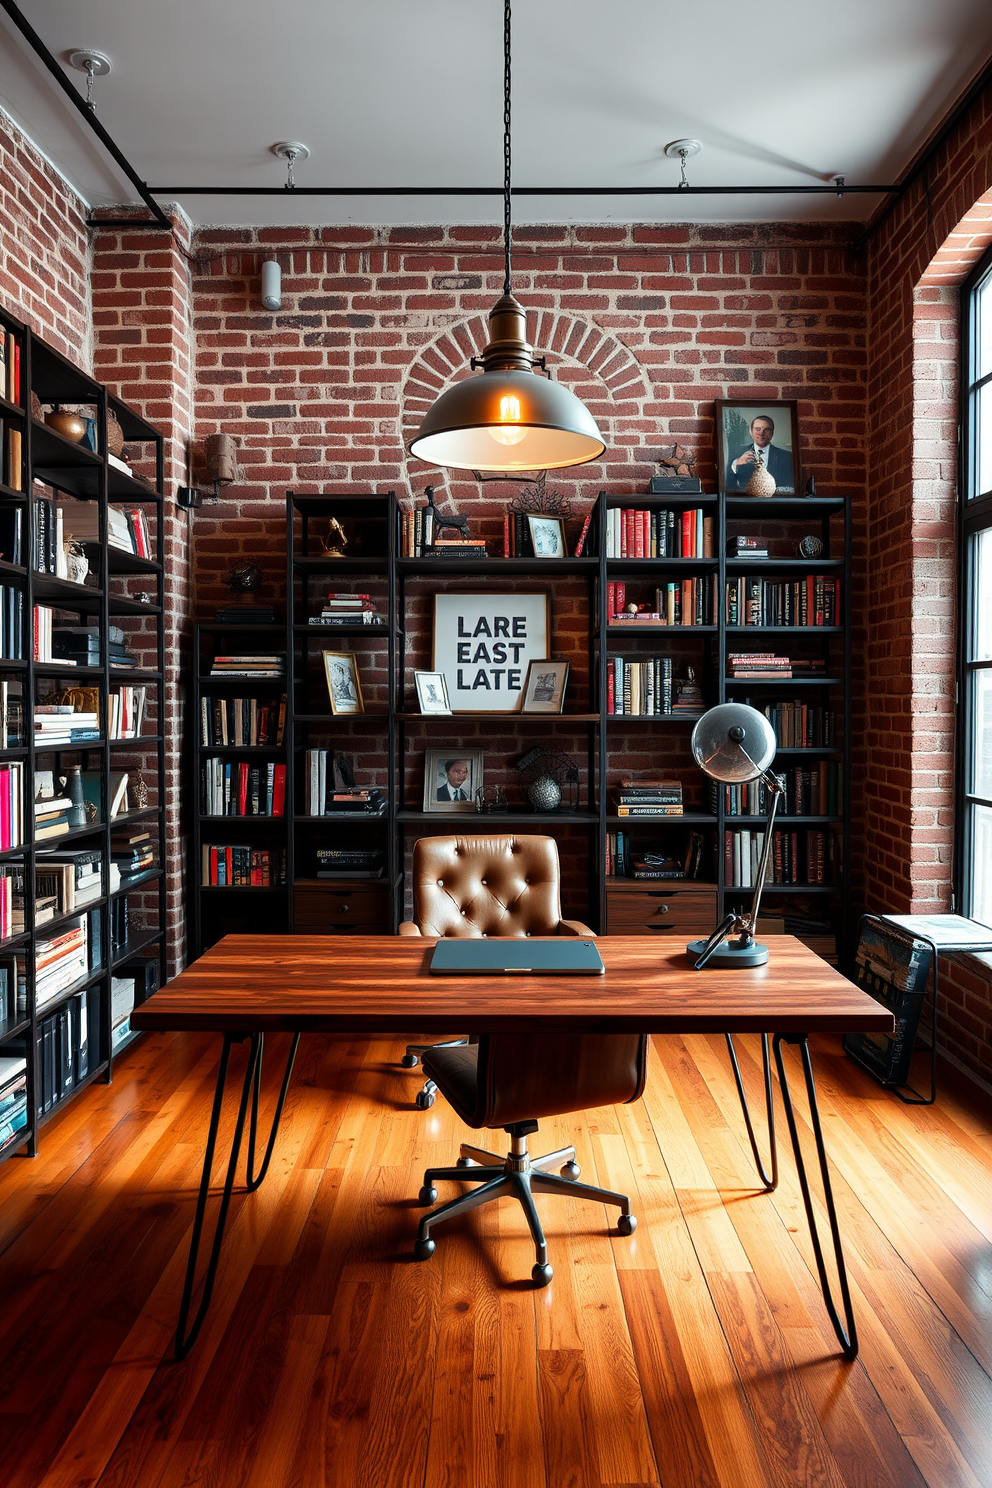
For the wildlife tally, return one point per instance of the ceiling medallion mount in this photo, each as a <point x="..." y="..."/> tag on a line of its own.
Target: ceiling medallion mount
<point x="94" y="64"/>
<point x="510" y="418"/>
<point x="683" y="150"/>
<point x="291" y="151"/>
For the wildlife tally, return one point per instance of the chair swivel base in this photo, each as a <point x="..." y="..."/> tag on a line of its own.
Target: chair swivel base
<point x="518" y="1176"/>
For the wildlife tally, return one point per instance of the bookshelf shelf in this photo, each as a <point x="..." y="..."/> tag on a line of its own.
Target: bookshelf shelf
<point x="50" y="471"/>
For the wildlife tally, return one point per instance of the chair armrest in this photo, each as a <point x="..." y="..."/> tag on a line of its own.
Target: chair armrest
<point x="575" y="927"/>
<point x="407" y="927"/>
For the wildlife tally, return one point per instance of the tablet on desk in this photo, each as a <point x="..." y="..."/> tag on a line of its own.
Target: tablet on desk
<point x="516" y="957"/>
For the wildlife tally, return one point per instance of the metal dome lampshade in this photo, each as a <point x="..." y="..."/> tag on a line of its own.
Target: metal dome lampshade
<point x="735" y="744"/>
<point x="510" y="418"/>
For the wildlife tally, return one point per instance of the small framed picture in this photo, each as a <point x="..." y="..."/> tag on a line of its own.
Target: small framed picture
<point x="343" y="686"/>
<point x="547" y="534"/>
<point x="432" y="692"/>
<point x="750" y="435"/>
<point x="451" y="779"/>
<point x="544" y="689"/>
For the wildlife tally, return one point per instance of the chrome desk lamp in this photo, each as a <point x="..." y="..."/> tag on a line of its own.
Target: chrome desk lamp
<point x="735" y="744"/>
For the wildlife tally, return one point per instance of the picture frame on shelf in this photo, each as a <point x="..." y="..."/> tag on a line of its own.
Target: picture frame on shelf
<point x="432" y="693"/>
<point x="544" y="687"/>
<point x="483" y="644"/>
<point x="739" y="441"/>
<point x="344" y="689"/>
<point x="452" y="778"/>
<point x="547" y="535"/>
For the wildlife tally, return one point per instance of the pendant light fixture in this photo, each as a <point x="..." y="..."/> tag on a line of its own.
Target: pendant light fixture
<point x="510" y="418"/>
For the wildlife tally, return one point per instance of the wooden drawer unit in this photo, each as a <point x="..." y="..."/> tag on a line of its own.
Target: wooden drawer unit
<point x="660" y="908"/>
<point x="337" y="907"/>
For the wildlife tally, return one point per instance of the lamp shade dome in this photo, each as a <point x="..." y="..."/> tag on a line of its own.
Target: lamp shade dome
<point x="508" y="419"/>
<point x="733" y="743"/>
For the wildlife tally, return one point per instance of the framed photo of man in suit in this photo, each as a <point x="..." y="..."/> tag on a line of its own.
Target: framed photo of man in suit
<point x="451" y="779"/>
<point x="751" y="436"/>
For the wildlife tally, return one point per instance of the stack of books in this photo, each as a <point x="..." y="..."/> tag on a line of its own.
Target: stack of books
<point x="58" y="724"/>
<point x="747" y="547"/>
<point x="134" y="850"/>
<point x="51" y="817"/>
<point x="342" y="862"/>
<point x="273" y="665"/>
<point x="74" y="877"/>
<point x="327" y="795"/>
<point x="758" y="664"/>
<point x="13" y="1095"/>
<point x="11" y="804"/>
<point x="242" y="721"/>
<point x="61" y="960"/>
<point x="649" y="798"/>
<point x="81" y="643"/>
<point x="246" y="614"/>
<point x="347" y="609"/>
<point x="240" y="789"/>
<point x="419" y="539"/>
<point x="632" y="533"/>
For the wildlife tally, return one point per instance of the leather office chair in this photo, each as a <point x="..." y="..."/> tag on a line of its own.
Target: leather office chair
<point x="508" y="1080"/>
<point x="481" y="886"/>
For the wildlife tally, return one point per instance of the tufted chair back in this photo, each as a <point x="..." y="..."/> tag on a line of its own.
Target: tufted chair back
<point x="476" y="886"/>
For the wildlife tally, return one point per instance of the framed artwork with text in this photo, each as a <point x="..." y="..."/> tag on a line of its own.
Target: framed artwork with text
<point x="484" y="643"/>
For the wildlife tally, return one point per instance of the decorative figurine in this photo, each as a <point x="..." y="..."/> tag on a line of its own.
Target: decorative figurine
<point x="443" y="522"/>
<point x="244" y="580"/>
<point x="678" y="461"/>
<point x="334" y="544"/>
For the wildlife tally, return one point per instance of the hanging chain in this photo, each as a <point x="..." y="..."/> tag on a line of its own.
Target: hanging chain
<point x="290" y="170"/>
<point x="507" y="225"/>
<point x="683" y="157"/>
<point x="90" y="69"/>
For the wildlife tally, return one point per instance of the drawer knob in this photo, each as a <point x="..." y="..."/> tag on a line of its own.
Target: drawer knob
<point x="662" y="908"/>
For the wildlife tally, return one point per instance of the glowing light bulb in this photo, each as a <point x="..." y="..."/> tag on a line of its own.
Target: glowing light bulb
<point x="509" y="413"/>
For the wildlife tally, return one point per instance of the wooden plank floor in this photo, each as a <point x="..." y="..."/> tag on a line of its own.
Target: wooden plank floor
<point x="695" y="1354"/>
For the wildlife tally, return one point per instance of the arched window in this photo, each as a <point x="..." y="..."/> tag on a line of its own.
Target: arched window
<point x="974" y="835"/>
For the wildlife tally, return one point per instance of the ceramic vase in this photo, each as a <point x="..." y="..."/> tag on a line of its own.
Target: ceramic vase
<point x="69" y="425"/>
<point x="74" y="793"/>
<point x="762" y="482"/>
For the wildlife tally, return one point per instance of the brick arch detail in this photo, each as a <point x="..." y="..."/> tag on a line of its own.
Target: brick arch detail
<point x="572" y="345"/>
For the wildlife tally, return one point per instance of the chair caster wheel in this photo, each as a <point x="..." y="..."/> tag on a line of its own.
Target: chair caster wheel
<point x="464" y="1162"/>
<point x="409" y="1061"/>
<point x="626" y="1224"/>
<point x="425" y="1099"/>
<point x="427" y="1196"/>
<point x="541" y="1275"/>
<point x="423" y="1249"/>
<point x="571" y="1170"/>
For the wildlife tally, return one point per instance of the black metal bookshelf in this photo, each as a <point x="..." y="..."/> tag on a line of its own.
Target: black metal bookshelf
<point x="105" y="596"/>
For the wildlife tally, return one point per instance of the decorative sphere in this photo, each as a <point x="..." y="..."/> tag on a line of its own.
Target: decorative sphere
<point x="245" y="580"/>
<point x="545" y="794"/>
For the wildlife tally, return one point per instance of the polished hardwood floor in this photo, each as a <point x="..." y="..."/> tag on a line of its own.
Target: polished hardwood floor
<point x="695" y="1354"/>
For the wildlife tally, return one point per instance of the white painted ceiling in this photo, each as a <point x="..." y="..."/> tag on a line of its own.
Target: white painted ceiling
<point x="409" y="92"/>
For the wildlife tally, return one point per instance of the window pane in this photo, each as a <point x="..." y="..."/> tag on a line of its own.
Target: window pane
<point x="981" y="734"/>
<point x="983" y="438"/>
<point x="984" y="329"/>
<point x="981" y="864"/>
<point x="981" y="597"/>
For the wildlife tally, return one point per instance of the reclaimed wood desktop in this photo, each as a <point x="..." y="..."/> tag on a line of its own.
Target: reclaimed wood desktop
<point x="250" y="985"/>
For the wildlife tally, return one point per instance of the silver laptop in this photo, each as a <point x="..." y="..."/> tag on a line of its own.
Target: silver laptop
<point x="517" y="957"/>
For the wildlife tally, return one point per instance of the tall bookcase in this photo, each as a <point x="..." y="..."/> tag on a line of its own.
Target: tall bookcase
<point x="74" y="1035"/>
<point x="387" y="741"/>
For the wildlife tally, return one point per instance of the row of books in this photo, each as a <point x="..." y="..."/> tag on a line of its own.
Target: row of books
<point x="625" y="859"/>
<point x="326" y="792"/>
<point x="241" y="867"/>
<point x="11" y="622"/>
<point x="11" y="713"/>
<point x="10" y="365"/>
<point x="13" y="457"/>
<point x="813" y="600"/>
<point x="767" y="664"/>
<point x="690" y="601"/>
<point x="818" y="791"/>
<point x="636" y="533"/>
<point x="60" y="960"/>
<point x="420" y="538"/>
<point x="13" y="1082"/>
<point x="271" y="665"/>
<point x="649" y="797"/>
<point x="232" y="789"/>
<point x="242" y="722"/>
<point x="799" y="725"/>
<point x="11" y="804"/>
<point x="518" y="537"/>
<point x="646" y="688"/>
<point x="64" y="1048"/>
<point x="347" y="609"/>
<point x="49" y="556"/>
<point x="126" y="711"/>
<point x="127" y="528"/>
<point x="796" y="857"/>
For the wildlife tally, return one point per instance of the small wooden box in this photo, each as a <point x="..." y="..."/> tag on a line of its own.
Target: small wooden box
<point x="340" y="907"/>
<point x="680" y="907"/>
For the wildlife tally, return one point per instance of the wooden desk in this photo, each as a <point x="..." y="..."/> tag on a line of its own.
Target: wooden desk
<point x="247" y="986"/>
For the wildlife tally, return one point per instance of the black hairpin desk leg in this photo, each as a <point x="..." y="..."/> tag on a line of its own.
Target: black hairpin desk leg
<point x="848" y="1338"/>
<point x="185" y="1338"/>
<point x="769" y="1181"/>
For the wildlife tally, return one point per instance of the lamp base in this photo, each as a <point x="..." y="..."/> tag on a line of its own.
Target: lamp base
<point x="729" y="954"/>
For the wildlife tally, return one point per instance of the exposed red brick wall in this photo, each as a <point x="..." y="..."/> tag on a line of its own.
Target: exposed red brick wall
<point x="44" y="248"/>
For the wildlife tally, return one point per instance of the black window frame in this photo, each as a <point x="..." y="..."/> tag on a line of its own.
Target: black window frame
<point x="974" y="517"/>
